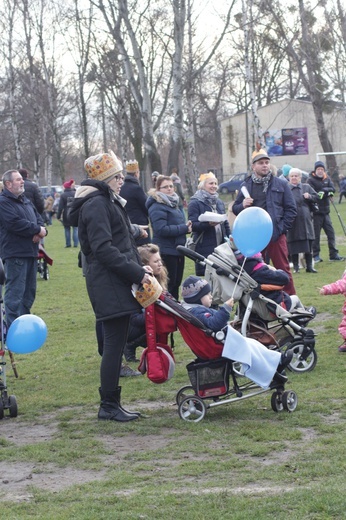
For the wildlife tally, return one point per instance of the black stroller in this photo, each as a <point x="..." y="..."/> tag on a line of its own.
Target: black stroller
<point x="215" y="380"/>
<point x="7" y="402"/>
<point x="258" y="317"/>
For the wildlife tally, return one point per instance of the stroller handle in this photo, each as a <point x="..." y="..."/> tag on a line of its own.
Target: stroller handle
<point x="196" y="257"/>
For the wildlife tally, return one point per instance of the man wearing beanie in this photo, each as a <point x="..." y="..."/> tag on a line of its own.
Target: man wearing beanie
<point x="323" y="185"/>
<point x="275" y="196"/>
<point x="135" y="198"/>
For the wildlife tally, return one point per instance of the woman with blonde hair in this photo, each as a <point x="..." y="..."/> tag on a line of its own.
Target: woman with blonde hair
<point x="208" y="235"/>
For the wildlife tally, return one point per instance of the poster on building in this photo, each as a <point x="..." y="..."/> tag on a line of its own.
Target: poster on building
<point x="295" y="141"/>
<point x="273" y="140"/>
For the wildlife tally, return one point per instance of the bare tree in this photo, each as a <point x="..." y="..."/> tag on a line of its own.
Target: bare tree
<point x="308" y="56"/>
<point x="8" y="51"/>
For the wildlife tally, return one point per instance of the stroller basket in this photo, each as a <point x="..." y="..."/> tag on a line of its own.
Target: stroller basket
<point x="209" y="378"/>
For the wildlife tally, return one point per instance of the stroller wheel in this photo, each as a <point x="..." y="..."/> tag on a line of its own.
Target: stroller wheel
<point x="192" y="409"/>
<point x="45" y="271"/>
<point x="183" y="392"/>
<point x="289" y="400"/>
<point x="300" y="362"/>
<point x="12" y="406"/>
<point x="276" y="402"/>
<point x="1" y="408"/>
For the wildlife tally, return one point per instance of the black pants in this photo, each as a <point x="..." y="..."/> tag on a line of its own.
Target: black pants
<point x="324" y="222"/>
<point x="111" y="339"/>
<point x="175" y="268"/>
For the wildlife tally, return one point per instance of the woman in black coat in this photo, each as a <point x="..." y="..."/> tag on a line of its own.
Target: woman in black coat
<point x="112" y="266"/>
<point x="207" y="234"/>
<point x="301" y="235"/>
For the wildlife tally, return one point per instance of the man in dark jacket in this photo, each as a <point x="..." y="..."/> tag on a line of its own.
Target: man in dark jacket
<point x="32" y="191"/>
<point x="323" y="185"/>
<point x="21" y="228"/>
<point x="135" y="198"/>
<point x="66" y="197"/>
<point x="273" y="195"/>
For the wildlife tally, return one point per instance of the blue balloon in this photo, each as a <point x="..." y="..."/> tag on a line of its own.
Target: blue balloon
<point x="26" y="334"/>
<point x="252" y="230"/>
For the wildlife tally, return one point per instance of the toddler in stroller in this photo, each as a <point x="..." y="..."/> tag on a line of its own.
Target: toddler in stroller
<point x="260" y="364"/>
<point x="211" y="372"/>
<point x="258" y="316"/>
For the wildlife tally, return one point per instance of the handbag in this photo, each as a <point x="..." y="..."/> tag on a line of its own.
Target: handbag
<point x="191" y="242"/>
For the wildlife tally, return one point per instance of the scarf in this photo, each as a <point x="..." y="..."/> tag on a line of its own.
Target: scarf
<point x="211" y="201"/>
<point x="262" y="180"/>
<point x="170" y="200"/>
<point x="204" y="196"/>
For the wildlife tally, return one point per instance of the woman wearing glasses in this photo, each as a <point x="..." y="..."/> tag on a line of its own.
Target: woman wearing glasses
<point x="112" y="266"/>
<point x="169" y="229"/>
<point x="207" y="235"/>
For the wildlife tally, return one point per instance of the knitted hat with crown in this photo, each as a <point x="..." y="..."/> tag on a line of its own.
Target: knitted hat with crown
<point x="103" y="167"/>
<point x="194" y="288"/>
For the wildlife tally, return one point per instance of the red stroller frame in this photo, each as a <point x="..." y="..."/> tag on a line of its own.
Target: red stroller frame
<point x="209" y="374"/>
<point x="43" y="261"/>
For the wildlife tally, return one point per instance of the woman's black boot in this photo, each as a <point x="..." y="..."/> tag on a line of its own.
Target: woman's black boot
<point x="308" y="260"/>
<point x="118" y="392"/>
<point x="295" y="260"/>
<point x="110" y="409"/>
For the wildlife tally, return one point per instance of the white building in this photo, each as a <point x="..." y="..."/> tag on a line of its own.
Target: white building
<point x="291" y="133"/>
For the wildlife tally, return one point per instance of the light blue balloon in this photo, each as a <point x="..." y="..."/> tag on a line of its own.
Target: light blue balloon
<point x="252" y="230"/>
<point x="26" y="334"/>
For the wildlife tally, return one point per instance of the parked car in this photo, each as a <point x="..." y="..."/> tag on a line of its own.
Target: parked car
<point x="233" y="184"/>
<point x="46" y="190"/>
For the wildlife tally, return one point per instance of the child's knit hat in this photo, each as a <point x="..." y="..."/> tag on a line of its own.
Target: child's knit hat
<point x="194" y="288"/>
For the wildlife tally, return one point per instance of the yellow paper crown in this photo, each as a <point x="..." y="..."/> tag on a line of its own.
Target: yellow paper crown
<point x="149" y="292"/>
<point x="103" y="166"/>
<point x="205" y="176"/>
<point x="132" y="166"/>
<point x="259" y="154"/>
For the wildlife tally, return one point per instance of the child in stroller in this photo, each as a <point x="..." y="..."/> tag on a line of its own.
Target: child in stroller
<point x="272" y="281"/>
<point x="211" y="372"/>
<point x="262" y="364"/>
<point x="258" y="316"/>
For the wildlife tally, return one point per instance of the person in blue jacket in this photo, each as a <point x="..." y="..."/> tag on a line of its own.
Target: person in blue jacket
<point x="169" y="229"/>
<point x="21" y="229"/>
<point x="197" y="296"/>
<point x="275" y="196"/>
<point x="207" y="235"/>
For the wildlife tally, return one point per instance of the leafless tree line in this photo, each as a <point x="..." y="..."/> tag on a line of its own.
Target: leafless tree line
<point x="151" y="79"/>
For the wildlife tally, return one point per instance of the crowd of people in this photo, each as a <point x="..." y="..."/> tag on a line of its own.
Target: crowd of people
<point x="127" y="236"/>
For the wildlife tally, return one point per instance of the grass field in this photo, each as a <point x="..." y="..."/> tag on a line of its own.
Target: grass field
<point x="242" y="461"/>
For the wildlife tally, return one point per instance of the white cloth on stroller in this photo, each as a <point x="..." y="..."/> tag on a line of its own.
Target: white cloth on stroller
<point x="258" y="363"/>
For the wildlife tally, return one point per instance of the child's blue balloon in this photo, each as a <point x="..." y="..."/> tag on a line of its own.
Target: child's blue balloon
<point x="26" y="334"/>
<point x="252" y="230"/>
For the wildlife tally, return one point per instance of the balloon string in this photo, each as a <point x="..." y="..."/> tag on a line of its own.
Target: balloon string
<point x="237" y="281"/>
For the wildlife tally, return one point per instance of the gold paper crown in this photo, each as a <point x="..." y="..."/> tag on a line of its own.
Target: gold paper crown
<point x="103" y="166"/>
<point x="148" y="293"/>
<point x="205" y="176"/>
<point x="259" y="154"/>
<point x="132" y="166"/>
